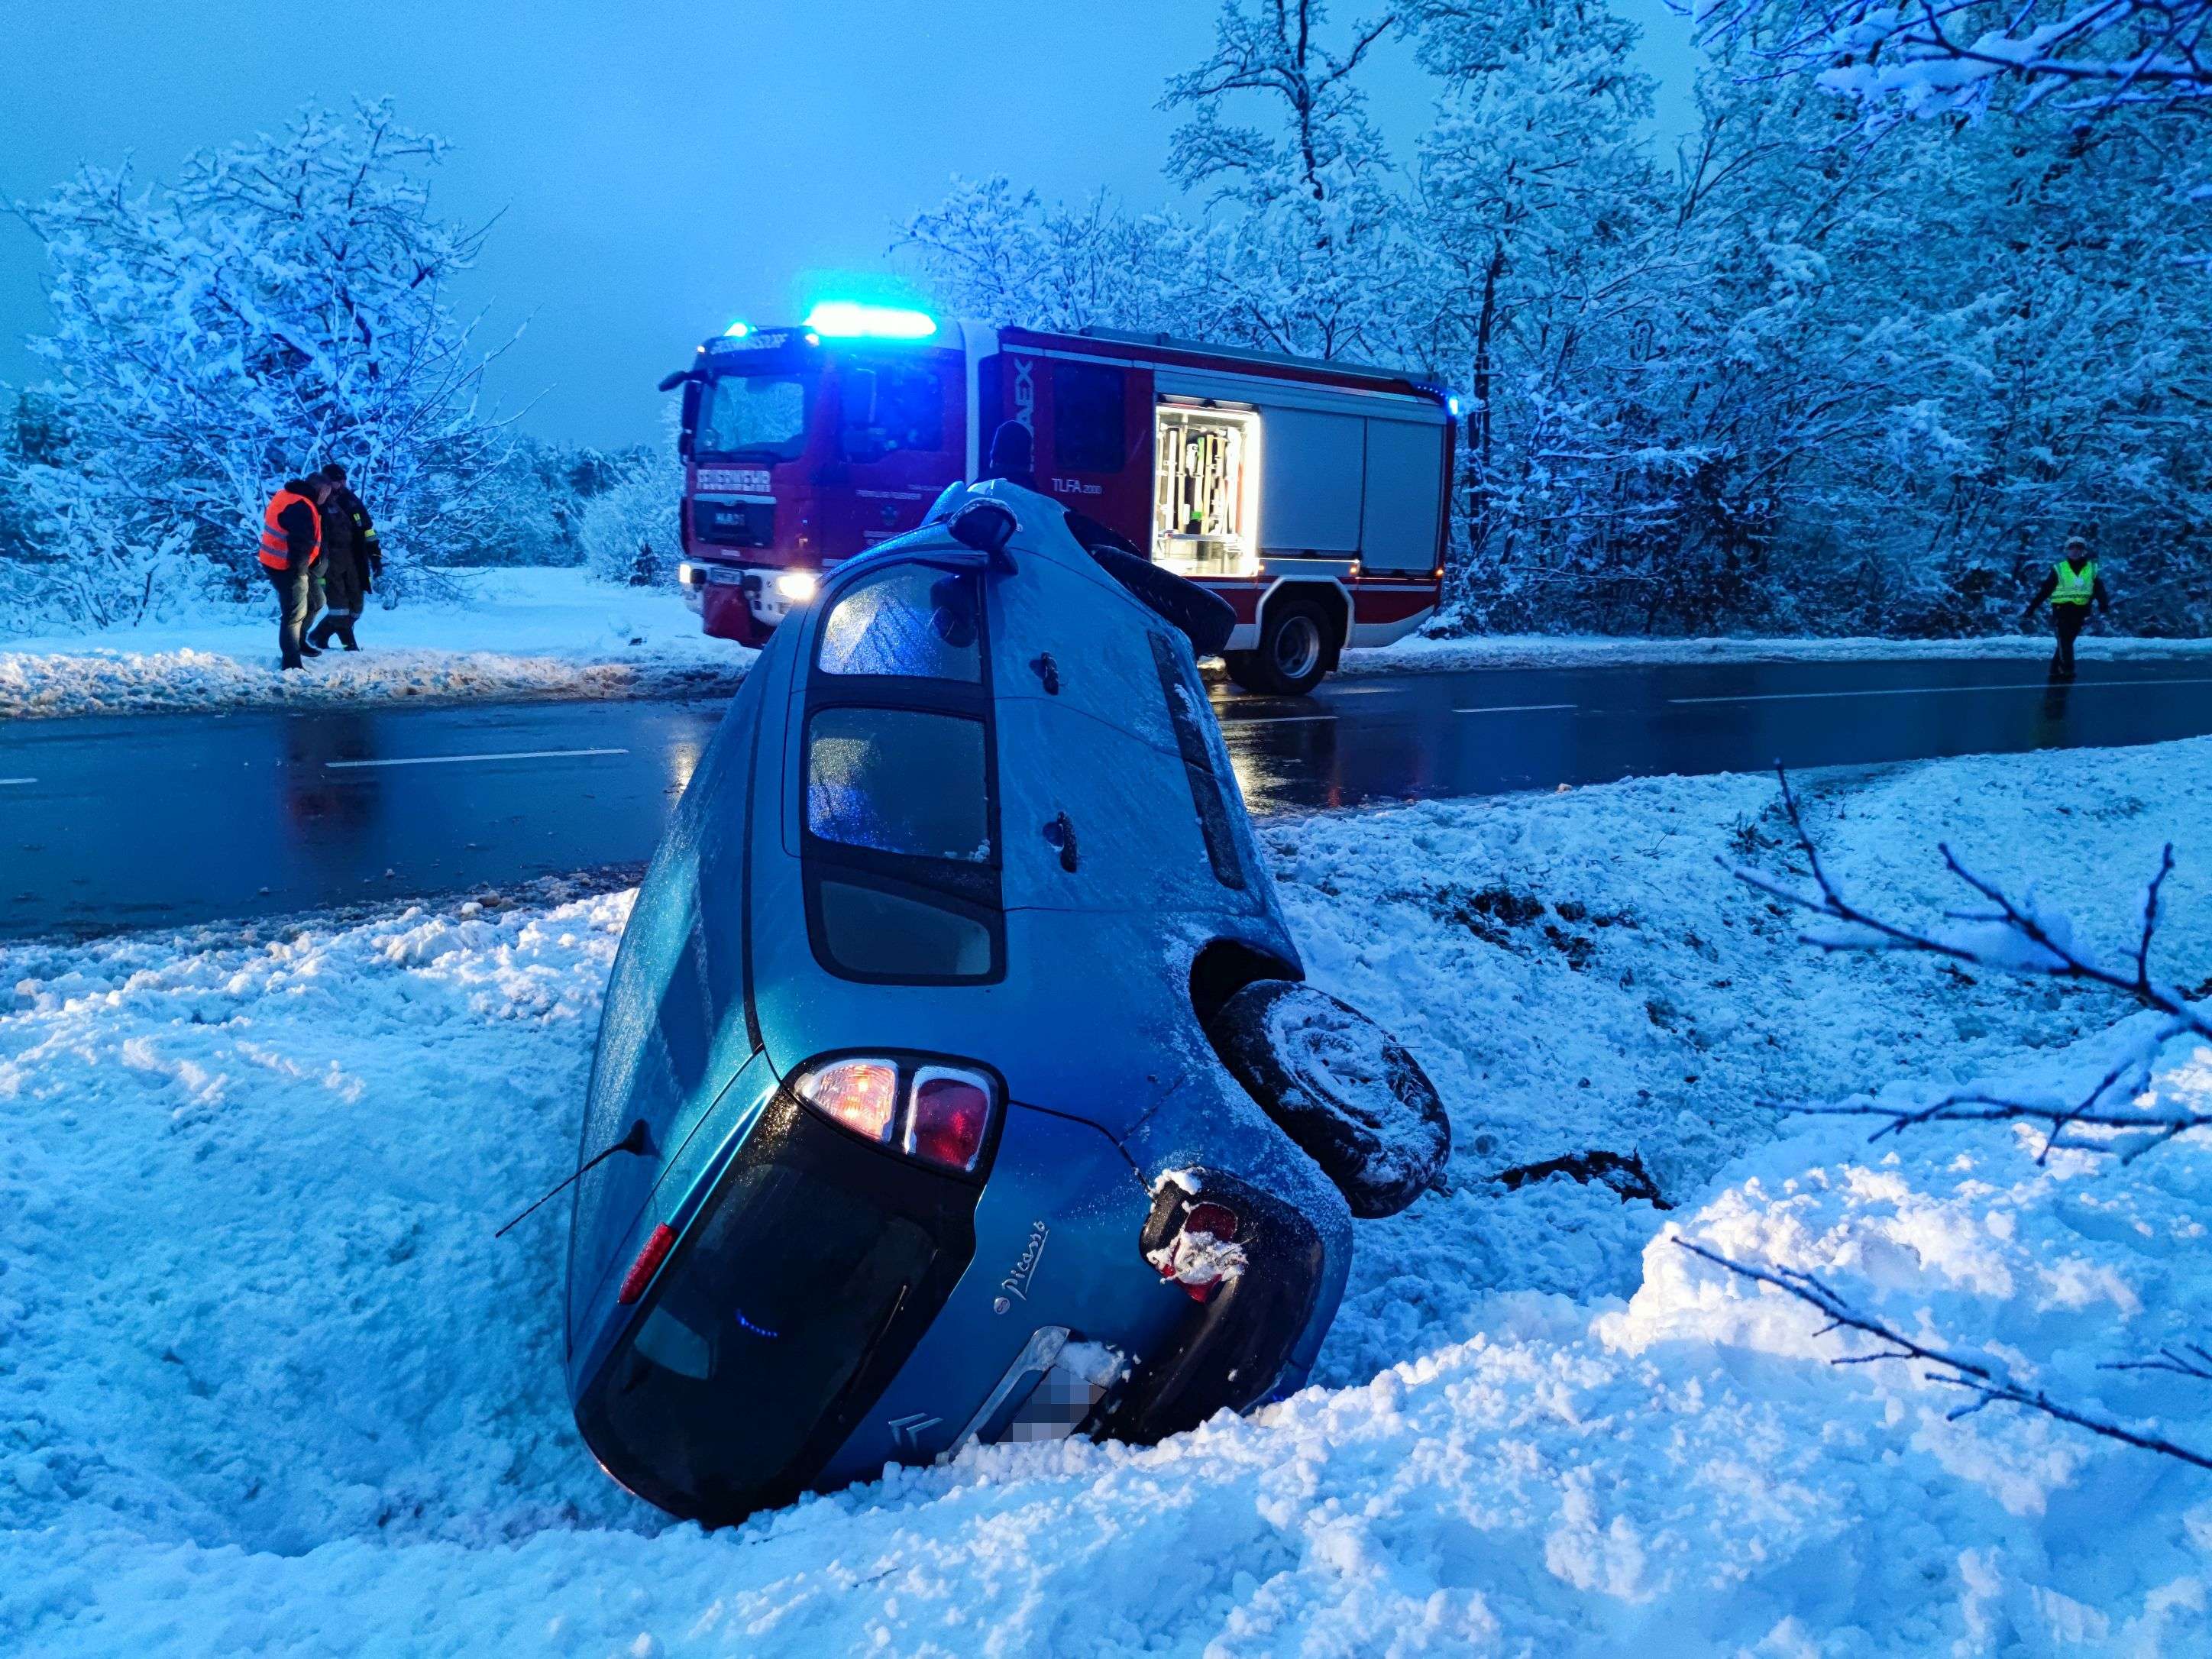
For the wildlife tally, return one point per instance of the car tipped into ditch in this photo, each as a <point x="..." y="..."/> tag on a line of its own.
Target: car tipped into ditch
<point x="956" y="1081"/>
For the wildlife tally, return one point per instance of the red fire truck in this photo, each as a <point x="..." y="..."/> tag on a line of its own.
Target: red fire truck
<point x="1313" y="496"/>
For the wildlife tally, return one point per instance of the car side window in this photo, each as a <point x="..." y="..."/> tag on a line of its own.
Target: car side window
<point x="915" y="620"/>
<point x="899" y="813"/>
<point x="899" y="781"/>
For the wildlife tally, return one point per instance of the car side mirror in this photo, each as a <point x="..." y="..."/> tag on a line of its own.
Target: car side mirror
<point x="688" y="425"/>
<point x="986" y="527"/>
<point x="669" y="382"/>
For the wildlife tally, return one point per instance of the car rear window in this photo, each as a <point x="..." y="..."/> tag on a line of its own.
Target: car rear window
<point x="915" y="620"/>
<point x="899" y="781"/>
<point x="751" y="1337"/>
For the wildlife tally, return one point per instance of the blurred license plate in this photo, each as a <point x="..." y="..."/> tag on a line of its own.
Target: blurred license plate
<point x="736" y="480"/>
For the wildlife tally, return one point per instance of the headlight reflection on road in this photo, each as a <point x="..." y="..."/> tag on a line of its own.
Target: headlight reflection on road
<point x="683" y="762"/>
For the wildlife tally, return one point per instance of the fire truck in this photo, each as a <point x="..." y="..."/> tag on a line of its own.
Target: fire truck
<point x="1312" y="495"/>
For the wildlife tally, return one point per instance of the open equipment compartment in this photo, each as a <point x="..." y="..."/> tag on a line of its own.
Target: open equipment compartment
<point x="1206" y="489"/>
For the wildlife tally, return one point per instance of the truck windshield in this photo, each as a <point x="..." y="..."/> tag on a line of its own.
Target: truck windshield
<point x="755" y="414"/>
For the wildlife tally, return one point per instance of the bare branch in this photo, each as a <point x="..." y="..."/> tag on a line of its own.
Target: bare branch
<point x="1984" y="1381"/>
<point x="2049" y="958"/>
<point x="2190" y="1359"/>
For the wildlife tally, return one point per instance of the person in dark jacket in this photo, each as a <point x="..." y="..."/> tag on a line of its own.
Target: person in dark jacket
<point x="2071" y="588"/>
<point x="291" y="551"/>
<point x="352" y="560"/>
<point x="1013" y="457"/>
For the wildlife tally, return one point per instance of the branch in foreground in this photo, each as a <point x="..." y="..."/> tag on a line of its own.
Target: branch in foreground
<point x="2045" y="955"/>
<point x="1986" y="1383"/>
<point x="2131" y="1075"/>
<point x="2190" y="1359"/>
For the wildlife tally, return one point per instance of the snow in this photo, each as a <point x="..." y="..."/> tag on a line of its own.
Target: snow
<point x="542" y="632"/>
<point x="1195" y="1258"/>
<point x="1421" y="651"/>
<point x="510" y="633"/>
<point x="267" y="1382"/>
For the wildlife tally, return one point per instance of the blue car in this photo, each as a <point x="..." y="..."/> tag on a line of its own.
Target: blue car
<point x="957" y="1080"/>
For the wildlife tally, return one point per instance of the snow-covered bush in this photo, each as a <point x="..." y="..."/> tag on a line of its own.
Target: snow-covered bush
<point x="280" y="304"/>
<point x="630" y="530"/>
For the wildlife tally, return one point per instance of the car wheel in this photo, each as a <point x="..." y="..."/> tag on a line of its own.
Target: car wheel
<point x="1341" y="1087"/>
<point x="1292" y="655"/>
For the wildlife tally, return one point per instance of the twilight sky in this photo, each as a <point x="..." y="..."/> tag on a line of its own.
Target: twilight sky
<point x="663" y="165"/>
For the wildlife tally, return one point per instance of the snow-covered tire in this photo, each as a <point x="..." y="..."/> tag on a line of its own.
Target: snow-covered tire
<point x="1341" y="1087"/>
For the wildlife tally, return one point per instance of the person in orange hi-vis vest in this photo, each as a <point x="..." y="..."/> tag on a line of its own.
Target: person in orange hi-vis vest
<point x="291" y="548"/>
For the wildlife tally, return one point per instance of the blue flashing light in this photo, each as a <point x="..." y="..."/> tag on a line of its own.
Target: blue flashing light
<point x="849" y="319"/>
<point x="1451" y="404"/>
<point x="737" y="331"/>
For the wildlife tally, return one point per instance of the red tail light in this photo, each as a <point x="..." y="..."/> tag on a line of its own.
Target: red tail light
<point x="937" y="1113"/>
<point x="648" y="1264"/>
<point x="951" y="1114"/>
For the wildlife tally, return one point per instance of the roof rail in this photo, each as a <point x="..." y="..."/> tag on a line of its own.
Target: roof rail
<point x="1246" y="354"/>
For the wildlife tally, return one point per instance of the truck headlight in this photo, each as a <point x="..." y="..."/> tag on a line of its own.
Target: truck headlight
<point x="797" y="586"/>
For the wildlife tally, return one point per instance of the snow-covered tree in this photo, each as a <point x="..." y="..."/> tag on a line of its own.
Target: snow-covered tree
<point x="281" y="303"/>
<point x="1537" y="206"/>
<point x="1799" y="375"/>
<point x="998" y="254"/>
<point x="1309" y="221"/>
<point x="1945" y="57"/>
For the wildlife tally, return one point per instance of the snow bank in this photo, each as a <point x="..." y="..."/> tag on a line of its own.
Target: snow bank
<point x="1601" y="651"/>
<point x="556" y="633"/>
<point x="515" y="633"/>
<point x="267" y="1382"/>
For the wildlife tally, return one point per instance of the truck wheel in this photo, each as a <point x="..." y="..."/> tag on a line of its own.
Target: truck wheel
<point x="1292" y="655"/>
<point x="1341" y="1087"/>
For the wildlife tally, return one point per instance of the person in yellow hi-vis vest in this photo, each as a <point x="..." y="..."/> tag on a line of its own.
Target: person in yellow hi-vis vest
<point x="2071" y="587"/>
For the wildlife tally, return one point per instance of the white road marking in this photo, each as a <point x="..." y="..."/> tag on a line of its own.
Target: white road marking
<point x="450" y="760"/>
<point x="1930" y="691"/>
<point x="7" y="781"/>
<point x="1515" y="707"/>
<point x="1276" y="719"/>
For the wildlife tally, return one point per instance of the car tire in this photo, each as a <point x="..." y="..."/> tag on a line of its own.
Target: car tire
<point x="1292" y="655"/>
<point x="1340" y="1086"/>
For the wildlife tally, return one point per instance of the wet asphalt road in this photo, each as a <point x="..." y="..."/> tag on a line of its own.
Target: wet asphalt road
<point x="120" y="821"/>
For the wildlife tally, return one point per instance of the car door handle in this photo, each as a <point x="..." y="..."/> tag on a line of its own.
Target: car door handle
<point x="1059" y="832"/>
